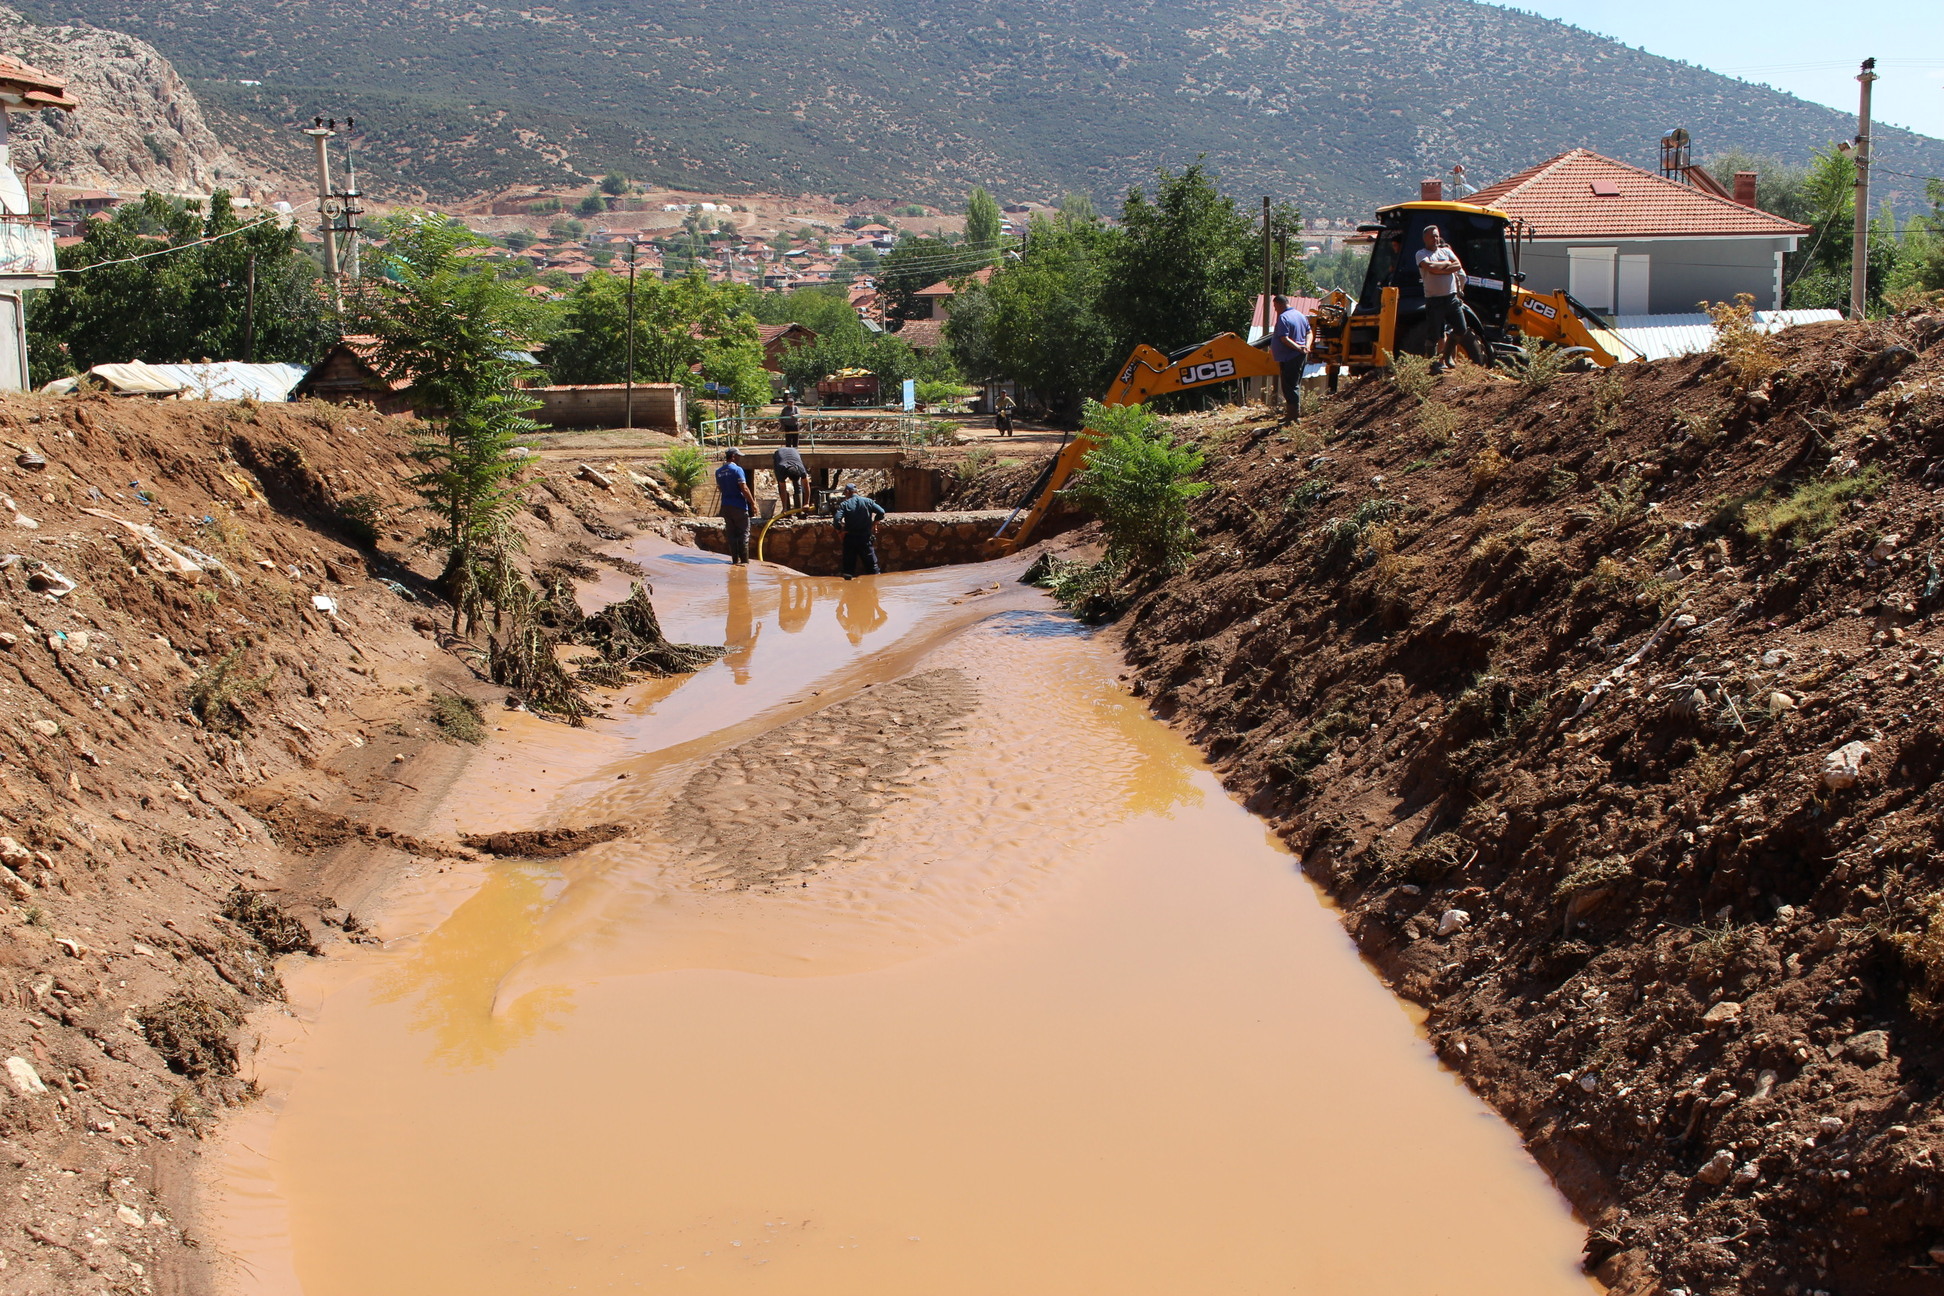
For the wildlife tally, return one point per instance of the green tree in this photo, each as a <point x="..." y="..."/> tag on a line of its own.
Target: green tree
<point x="591" y="205"/>
<point x="1079" y="206"/>
<point x="185" y="305"/>
<point x="566" y="228"/>
<point x="456" y="332"/>
<point x="1920" y="267"/>
<point x="1038" y="321"/>
<point x="914" y="265"/>
<point x="687" y="330"/>
<point x="982" y="221"/>
<point x="1187" y="267"/>
<point x="614" y="184"/>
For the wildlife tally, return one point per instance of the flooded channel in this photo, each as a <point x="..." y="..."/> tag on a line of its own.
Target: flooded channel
<point x="931" y="966"/>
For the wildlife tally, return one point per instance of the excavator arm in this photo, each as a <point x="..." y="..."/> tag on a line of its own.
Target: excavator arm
<point x="1148" y="373"/>
<point x="1559" y="319"/>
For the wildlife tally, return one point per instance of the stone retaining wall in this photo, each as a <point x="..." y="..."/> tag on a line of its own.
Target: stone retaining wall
<point x="905" y="541"/>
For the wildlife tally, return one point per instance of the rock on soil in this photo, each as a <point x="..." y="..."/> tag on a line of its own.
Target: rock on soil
<point x="1642" y="672"/>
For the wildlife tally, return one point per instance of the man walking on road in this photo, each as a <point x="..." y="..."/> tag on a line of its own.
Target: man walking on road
<point x="1289" y="347"/>
<point x="857" y="517"/>
<point x="732" y="483"/>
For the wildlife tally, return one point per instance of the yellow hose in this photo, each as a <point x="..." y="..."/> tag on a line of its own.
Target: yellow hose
<point x="774" y="519"/>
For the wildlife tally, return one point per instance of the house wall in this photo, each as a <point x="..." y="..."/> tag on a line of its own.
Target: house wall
<point x="1681" y="272"/>
<point x="342" y="378"/>
<point x="661" y="406"/>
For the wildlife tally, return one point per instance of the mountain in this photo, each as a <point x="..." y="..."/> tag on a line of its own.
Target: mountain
<point x="1336" y="104"/>
<point x="138" y="126"/>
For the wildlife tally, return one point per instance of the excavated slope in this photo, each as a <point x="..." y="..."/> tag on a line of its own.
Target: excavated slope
<point x="1610" y="714"/>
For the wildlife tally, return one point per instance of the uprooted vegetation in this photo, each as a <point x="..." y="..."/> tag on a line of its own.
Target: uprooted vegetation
<point x="1609" y="708"/>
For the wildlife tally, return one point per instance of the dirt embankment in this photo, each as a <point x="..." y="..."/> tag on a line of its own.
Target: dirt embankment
<point x="1610" y="712"/>
<point x="224" y="691"/>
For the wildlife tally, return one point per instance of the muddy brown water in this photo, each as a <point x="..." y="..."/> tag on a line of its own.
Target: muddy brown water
<point x="931" y="966"/>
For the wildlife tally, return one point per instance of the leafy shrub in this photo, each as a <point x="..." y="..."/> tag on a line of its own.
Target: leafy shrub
<point x="1307" y="496"/>
<point x="1811" y="510"/>
<point x="975" y="462"/>
<point x="1749" y="351"/>
<point x="1487" y="466"/>
<point x="1624" y="503"/>
<point x="213" y="695"/>
<point x="1139" y="481"/>
<point x="1411" y="374"/>
<point x="1438" y="422"/>
<point x="1088" y="590"/>
<point x="684" y="467"/>
<point x="1609" y="395"/>
<point x="1542" y="365"/>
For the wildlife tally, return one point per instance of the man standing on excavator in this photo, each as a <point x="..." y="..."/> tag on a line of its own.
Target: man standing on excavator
<point x="1289" y="347"/>
<point x="1441" y="271"/>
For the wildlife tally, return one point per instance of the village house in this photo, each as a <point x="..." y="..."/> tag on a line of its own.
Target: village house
<point x="1627" y="242"/>
<point x="936" y="300"/>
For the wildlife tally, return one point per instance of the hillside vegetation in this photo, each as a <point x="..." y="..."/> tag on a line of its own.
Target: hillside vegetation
<point x="1334" y="105"/>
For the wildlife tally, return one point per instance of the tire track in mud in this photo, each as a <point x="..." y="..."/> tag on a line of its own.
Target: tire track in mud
<point x="783" y="803"/>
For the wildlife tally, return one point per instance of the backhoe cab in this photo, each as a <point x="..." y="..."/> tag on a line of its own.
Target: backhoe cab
<point x="1388" y="316"/>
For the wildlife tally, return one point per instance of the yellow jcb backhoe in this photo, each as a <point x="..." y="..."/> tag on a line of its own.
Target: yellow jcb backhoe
<point x="1148" y="373"/>
<point x="1387" y="317"/>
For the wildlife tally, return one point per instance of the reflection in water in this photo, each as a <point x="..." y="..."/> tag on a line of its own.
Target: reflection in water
<point x="740" y="629"/>
<point x="449" y="980"/>
<point x="796" y="598"/>
<point x="1063" y="1021"/>
<point x="859" y="610"/>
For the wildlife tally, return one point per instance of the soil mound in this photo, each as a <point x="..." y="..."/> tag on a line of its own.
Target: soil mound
<point x="1610" y="711"/>
<point x="545" y="843"/>
<point x="218" y="637"/>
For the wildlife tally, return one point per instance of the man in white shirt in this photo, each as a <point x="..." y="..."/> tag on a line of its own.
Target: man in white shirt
<point x="1441" y="270"/>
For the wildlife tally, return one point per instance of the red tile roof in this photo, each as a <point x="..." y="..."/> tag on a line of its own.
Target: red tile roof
<point x="33" y="87"/>
<point x="922" y="335"/>
<point x="1561" y="199"/>
<point x="947" y="287"/>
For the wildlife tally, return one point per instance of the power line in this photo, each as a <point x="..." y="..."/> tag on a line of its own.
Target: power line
<point x="179" y="247"/>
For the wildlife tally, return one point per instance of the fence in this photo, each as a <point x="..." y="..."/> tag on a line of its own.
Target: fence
<point x="824" y="428"/>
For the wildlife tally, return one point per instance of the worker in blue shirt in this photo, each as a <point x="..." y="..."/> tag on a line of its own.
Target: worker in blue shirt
<point x="732" y="483"/>
<point x="857" y="517"/>
<point x="1289" y="347"/>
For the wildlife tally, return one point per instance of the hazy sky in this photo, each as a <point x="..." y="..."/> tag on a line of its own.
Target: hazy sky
<point x="1808" y="49"/>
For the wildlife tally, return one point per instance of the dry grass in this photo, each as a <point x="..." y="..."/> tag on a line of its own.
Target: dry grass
<point x="1750" y="352"/>
<point x="1438" y="422"/>
<point x="1487" y="466"/>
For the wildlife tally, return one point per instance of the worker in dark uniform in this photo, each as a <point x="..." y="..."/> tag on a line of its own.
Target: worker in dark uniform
<point x="857" y="517"/>
<point x="792" y="478"/>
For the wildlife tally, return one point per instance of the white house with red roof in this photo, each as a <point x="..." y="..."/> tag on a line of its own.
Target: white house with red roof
<point x="1630" y="242"/>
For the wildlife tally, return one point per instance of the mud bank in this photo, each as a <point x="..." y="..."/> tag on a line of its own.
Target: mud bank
<point x="1610" y="714"/>
<point x="225" y="700"/>
<point x="928" y="962"/>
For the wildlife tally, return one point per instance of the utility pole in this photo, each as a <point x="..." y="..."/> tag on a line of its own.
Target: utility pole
<point x="634" y="246"/>
<point x="1860" y="249"/>
<point x="350" y="206"/>
<point x="249" y="313"/>
<point x="326" y="226"/>
<point x="1268" y="309"/>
